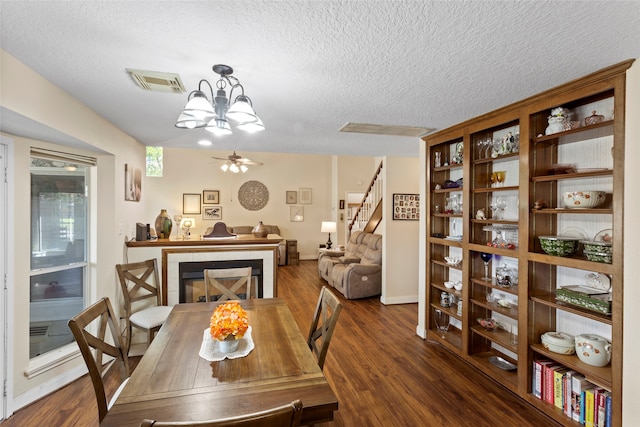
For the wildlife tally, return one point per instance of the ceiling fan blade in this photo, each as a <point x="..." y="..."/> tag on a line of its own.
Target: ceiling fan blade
<point x="249" y="162"/>
<point x="226" y="159"/>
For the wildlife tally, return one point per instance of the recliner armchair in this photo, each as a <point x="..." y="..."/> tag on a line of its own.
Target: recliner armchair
<point x="329" y="258"/>
<point x="360" y="278"/>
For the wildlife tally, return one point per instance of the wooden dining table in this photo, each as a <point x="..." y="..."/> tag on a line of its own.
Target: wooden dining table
<point x="173" y="383"/>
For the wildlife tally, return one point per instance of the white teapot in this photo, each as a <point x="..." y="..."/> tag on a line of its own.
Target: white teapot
<point x="593" y="349"/>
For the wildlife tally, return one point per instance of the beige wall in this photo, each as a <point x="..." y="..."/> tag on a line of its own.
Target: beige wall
<point x="54" y="108"/>
<point x="401" y="238"/>
<point x="631" y="381"/>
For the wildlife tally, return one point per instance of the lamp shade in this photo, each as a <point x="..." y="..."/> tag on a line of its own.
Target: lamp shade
<point x="188" y="221"/>
<point x="241" y="110"/>
<point x="252" y="127"/>
<point x="328" y="227"/>
<point x="199" y="107"/>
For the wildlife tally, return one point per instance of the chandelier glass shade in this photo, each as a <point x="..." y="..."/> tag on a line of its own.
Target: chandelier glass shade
<point x="200" y="113"/>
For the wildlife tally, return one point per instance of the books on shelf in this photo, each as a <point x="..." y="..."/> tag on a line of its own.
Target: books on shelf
<point x="572" y="393"/>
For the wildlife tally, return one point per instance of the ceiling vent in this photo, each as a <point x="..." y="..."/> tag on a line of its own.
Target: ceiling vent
<point x="157" y="81"/>
<point x="411" y="131"/>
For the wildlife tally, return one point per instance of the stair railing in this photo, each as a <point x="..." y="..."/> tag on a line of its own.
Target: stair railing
<point x="372" y="197"/>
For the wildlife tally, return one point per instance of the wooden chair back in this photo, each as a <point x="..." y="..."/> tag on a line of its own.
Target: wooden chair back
<point x="103" y="313"/>
<point x="224" y="288"/>
<point x="323" y="324"/>
<point x="139" y="282"/>
<point x="281" y="416"/>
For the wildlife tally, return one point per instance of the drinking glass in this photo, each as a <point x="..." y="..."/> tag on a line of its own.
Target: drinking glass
<point x="500" y="177"/>
<point x="493" y="178"/>
<point x="486" y="257"/>
<point x="177" y="218"/>
<point x="501" y="206"/>
<point x="441" y="320"/>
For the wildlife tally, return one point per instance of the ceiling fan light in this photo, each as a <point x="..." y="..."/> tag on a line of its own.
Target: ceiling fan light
<point x="224" y="167"/>
<point x="252" y="127"/>
<point x="243" y="168"/>
<point x="241" y="110"/>
<point x="234" y="168"/>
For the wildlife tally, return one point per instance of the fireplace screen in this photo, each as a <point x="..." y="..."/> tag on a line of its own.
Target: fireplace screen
<point x="191" y="276"/>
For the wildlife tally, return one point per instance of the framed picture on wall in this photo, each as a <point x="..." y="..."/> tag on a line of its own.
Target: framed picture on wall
<point x="406" y="206"/>
<point x="305" y="196"/>
<point x="292" y="197"/>
<point x="212" y="212"/>
<point x="132" y="183"/>
<point x="210" y="197"/>
<point x="296" y="214"/>
<point x="191" y="204"/>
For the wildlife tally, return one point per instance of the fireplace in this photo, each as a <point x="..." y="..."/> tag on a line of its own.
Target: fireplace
<point x="191" y="277"/>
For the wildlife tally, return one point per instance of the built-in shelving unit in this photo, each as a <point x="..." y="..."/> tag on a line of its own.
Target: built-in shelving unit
<point x="493" y="189"/>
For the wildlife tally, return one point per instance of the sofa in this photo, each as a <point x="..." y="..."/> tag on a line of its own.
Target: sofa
<point x="357" y="271"/>
<point x="271" y="230"/>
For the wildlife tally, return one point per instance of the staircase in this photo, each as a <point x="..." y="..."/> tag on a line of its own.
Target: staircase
<point x="369" y="214"/>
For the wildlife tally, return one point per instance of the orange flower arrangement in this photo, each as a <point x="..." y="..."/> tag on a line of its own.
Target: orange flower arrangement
<point x="229" y="320"/>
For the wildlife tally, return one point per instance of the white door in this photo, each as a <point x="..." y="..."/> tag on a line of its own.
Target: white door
<point x="3" y="275"/>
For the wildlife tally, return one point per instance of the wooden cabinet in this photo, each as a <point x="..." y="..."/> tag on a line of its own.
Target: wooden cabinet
<point x="495" y="185"/>
<point x="293" y="256"/>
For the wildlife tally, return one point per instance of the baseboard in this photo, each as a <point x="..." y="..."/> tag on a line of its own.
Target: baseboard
<point x="48" y="387"/>
<point x="405" y="299"/>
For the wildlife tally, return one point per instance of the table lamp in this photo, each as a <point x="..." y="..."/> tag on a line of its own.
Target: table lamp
<point x="328" y="227"/>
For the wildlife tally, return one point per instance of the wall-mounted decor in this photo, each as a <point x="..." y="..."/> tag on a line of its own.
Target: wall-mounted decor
<point x="212" y="212"/>
<point x="253" y="195"/>
<point x="191" y="204"/>
<point x="292" y="197"/>
<point x="341" y="203"/>
<point x="296" y="214"/>
<point x="406" y="206"/>
<point x="305" y="196"/>
<point x="132" y="183"/>
<point x="210" y="197"/>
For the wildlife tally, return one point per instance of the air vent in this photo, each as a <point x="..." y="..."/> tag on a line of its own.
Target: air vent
<point x="157" y="81"/>
<point x="38" y="331"/>
<point x="414" y="132"/>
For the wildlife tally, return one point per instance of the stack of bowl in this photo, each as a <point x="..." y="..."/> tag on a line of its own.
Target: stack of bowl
<point x="559" y="245"/>
<point x="598" y="251"/>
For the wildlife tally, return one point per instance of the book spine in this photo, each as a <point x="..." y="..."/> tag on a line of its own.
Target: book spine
<point x="589" y="407"/>
<point x="607" y="412"/>
<point x="577" y="383"/>
<point x="558" y="395"/>
<point x="567" y="393"/>
<point x="547" y="391"/>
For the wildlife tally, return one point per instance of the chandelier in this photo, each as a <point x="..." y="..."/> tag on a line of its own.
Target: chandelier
<point x="200" y="113"/>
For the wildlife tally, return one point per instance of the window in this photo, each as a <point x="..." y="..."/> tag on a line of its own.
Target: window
<point x="59" y="218"/>
<point x="154" y="161"/>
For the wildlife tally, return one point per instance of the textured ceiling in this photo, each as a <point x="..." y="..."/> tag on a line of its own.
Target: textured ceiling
<point x="312" y="66"/>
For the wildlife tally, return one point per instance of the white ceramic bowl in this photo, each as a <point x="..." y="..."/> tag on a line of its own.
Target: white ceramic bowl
<point x="448" y="285"/>
<point x="558" y="342"/>
<point x="593" y="349"/>
<point x="583" y="199"/>
<point x="457" y="286"/>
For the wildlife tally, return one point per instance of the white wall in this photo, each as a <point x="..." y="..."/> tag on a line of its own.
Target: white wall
<point x="401" y="238"/>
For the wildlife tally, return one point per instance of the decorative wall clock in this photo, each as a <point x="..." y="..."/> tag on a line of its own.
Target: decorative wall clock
<point x="253" y="195"/>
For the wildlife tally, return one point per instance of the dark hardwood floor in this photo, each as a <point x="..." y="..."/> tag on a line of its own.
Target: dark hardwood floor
<point x="382" y="373"/>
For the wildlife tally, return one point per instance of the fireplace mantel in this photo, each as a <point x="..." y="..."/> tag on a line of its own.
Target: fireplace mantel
<point x="170" y="253"/>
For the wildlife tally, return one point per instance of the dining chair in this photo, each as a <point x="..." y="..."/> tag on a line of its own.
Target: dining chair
<point x="323" y="324"/>
<point x="281" y="416"/>
<point x="94" y="338"/>
<point x="142" y="305"/>
<point x="219" y="280"/>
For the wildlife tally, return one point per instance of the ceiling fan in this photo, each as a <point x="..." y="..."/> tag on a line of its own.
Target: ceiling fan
<point x="235" y="163"/>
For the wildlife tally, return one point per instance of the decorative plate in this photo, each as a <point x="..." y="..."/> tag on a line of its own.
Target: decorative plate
<point x="253" y="195"/>
<point x="501" y="363"/>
